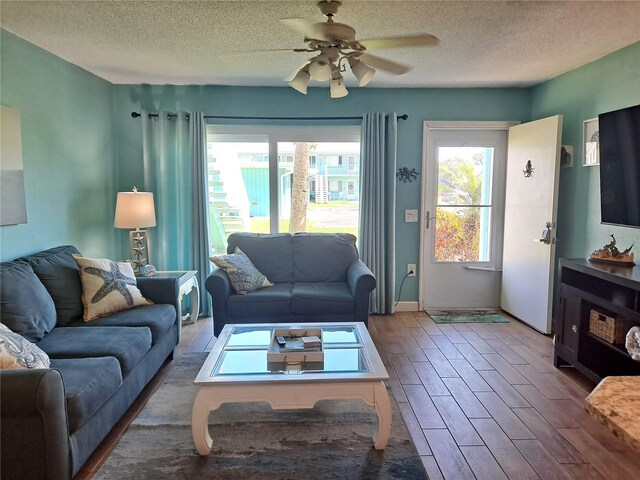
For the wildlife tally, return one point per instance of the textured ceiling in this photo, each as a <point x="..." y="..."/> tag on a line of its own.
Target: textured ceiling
<point x="505" y="43"/>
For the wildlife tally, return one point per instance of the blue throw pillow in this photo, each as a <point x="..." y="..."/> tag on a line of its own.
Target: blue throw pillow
<point x="60" y="275"/>
<point x="244" y="276"/>
<point x="25" y="305"/>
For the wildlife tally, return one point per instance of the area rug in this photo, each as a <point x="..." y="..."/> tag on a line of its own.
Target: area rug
<point x="461" y="316"/>
<point x="252" y="441"/>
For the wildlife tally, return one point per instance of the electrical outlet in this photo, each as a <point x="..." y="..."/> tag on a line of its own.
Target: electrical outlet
<point x="411" y="269"/>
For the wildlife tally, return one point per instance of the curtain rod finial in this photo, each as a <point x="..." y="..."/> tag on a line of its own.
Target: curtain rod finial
<point x="135" y="114"/>
<point x="403" y="117"/>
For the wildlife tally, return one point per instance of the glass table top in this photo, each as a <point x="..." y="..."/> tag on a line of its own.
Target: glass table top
<point x="245" y="353"/>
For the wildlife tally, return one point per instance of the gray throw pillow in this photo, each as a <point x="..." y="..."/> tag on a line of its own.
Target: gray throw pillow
<point x="244" y="276"/>
<point x="25" y="305"/>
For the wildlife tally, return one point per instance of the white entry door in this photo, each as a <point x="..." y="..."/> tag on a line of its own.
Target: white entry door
<point x="463" y="207"/>
<point x="530" y="221"/>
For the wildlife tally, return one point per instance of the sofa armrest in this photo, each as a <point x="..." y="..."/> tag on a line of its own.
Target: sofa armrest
<point x="219" y="287"/>
<point x="361" y="282"/>
<point x="162" y="290"/>
<point x="35" y="432"/>
<point x="360" y="278"/>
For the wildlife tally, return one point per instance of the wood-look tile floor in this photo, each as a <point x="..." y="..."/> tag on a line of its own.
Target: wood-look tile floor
<point x="481" y="401"/>
<point x="485" y="401"/>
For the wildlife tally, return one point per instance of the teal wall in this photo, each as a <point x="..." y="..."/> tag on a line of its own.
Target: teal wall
<point x="68" y="152"/>
<point x="419" y="104"/>
<point x="609" y="83"/>
<point x="81" y="146"/>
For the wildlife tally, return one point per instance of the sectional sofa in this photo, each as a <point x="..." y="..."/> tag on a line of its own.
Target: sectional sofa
<point x="52" y="419"/>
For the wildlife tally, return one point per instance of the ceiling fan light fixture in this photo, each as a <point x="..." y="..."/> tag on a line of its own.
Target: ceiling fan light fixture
<point x="364" y="73"/>
<point x="301" y="80"/>
<point x="320" y="69"/>
<point x="338" y="89"/>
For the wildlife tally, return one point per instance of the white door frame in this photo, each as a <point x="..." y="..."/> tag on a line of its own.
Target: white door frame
<point x="428" y="126"/>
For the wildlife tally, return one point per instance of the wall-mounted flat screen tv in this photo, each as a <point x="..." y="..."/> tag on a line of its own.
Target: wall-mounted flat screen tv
<point x="620" y="166"/>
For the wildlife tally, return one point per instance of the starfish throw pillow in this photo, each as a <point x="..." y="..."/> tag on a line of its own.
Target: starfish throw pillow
<point x="107" y="287"/>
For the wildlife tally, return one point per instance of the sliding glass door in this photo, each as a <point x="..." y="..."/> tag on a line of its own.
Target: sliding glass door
<point x="282" y="179"/>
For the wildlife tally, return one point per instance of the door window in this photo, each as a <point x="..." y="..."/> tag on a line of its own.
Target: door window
<point x="464" y="204"/>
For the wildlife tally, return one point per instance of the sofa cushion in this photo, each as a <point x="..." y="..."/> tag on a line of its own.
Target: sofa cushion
<point x="107" y="287"/>
<point x="322" y="297"/>
<point x="159" y="319"/>
<point x="17" y="352"/>
<point x="25" y="305"/>
<point x="323" y="257"/>
<point x="272" y="254"/>
<point x="60" y="275"/>
<point x="268" y="302"/>
<point x="244" y="276"/>
<point x="88" y="384"/>
<point x="128" y="344"/>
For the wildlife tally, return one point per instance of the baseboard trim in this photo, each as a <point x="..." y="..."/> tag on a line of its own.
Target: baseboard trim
<point x="407" y="307"/>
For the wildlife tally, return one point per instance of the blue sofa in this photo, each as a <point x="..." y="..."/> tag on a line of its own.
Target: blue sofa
<point x="53" y="419"/>
<point x="317" y="276"/>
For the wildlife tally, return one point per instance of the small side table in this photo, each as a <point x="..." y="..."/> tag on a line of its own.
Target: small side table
<point x="188" y="284"/>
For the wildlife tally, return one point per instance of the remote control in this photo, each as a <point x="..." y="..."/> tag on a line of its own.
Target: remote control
<point x="281" y="341"/>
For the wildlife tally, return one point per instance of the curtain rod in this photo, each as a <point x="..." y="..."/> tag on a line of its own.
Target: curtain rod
<point x="233" y="117"/>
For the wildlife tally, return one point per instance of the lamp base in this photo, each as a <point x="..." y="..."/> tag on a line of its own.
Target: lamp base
<point x="139" y="245"/>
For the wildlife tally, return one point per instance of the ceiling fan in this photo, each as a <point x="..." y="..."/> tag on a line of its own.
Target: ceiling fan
<point x="336" y="45"/>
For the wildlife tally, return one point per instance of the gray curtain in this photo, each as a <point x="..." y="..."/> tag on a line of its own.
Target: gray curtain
<point x="377" y="205"/>
<point x="175" y="170"/>
<point x="200" y="249"/>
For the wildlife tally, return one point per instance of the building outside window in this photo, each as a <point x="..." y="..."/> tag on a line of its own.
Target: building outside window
<point x="249" y="191"/>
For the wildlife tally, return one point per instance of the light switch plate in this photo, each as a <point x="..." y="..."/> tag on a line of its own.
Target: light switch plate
<point x="411" y="216"/>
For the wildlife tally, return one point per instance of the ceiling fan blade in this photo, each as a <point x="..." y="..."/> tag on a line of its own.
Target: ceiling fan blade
<point x="425" y="40"/>
<point x="243" y="53"/>
<point x="382" y="64"/>
<point x="308" y="28"/>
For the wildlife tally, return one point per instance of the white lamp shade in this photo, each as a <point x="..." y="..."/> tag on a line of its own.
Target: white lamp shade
<point x="300" y="81"/>
<point x="363" y="73"/>
<point x="338" y="89"/>
<point x="135" y="210"/>
<point x="320" y="70"/>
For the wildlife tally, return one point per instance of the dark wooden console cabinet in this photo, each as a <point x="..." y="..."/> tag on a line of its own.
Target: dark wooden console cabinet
<point x="608" y="289"/>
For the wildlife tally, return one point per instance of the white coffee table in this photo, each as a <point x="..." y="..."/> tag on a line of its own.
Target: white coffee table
<point x="237" y="371"/>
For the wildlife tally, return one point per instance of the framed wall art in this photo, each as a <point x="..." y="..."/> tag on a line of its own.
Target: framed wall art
<point x="590" y="143"/>
<point x="13" y="209"/>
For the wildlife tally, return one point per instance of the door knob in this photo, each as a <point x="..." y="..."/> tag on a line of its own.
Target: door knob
<point x="545" y="237"/>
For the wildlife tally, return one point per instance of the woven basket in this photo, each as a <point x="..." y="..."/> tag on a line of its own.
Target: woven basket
<point x="607" y="328"/>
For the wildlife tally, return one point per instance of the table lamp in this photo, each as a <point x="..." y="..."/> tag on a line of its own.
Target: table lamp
<point x="135" y="210"/>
